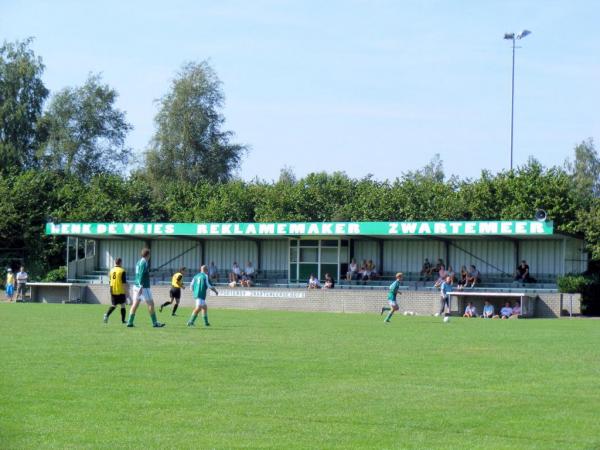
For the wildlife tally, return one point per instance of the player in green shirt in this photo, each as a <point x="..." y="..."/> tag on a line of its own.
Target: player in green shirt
<point x="199" y="286"/>
<point x="141" y="290"/>
<point x="392" y="293"/>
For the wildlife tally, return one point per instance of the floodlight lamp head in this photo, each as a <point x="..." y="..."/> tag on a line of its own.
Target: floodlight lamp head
<point x="509" y="36"/>
<point x="523" y="33"/>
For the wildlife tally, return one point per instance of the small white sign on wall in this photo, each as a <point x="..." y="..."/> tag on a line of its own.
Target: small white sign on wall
<point x="260" y="293"/>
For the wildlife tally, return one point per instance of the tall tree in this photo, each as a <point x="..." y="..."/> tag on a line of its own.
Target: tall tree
<point x="585" y="169"/>
<point x="432" y="171"/>
<point x="85" y="132"/>
<point x="22" y="96"/>
<point x="189" y="144"/>
<point x="590" y="225"/>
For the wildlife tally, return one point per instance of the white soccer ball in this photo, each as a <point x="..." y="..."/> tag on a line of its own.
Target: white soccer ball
<point x="446" y="319"/>
<point x="436" y="314"/>
<point x="406" y="313"/>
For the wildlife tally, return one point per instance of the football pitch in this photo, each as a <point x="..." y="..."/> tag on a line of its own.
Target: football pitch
<point x="263" y="379"/>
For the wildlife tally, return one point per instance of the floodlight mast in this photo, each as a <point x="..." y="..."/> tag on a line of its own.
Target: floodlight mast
<point x="512" y="37"/>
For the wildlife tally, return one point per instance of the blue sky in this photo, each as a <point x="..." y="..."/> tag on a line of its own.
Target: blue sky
<point x="365" y="87"/>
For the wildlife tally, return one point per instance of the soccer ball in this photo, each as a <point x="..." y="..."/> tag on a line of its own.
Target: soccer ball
<point x="232" y="284"/>
<point x="446" y="319"/>
<point x="436" y="314"/>
<point x="406" y="313"/>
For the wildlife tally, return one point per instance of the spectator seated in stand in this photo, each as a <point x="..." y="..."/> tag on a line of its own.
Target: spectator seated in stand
<point x="436" y="270"/>
<point x="442" y="274"/>
<point x="522" y="273"/>
<point x="488" y="310"/>
<point x="352" y="273"/>
<point x="371" y="270"/>
<point x="462" y="281"/>
<point x="473" y="276"/>
<point x="213" y="272"/>
<point x="329" y="283"/>
<point x="313" y="282"/>
<point x="249" y="271"/>
<point x="516" y="311"/>
<point x="363" y="273"/>
<point x="470" y="311"/>
<point x="505" y="312"/>
<point x="235" y="273"/>
<point x="245" y="280"/>
<point x="451" y="274"/>
<point x="425" y="270"/>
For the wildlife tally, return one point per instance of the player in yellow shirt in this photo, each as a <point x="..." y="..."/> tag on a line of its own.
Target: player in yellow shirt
<point x="10" y="284"/>
<point x="175" y="292"/>
<point x="118" y="290"/>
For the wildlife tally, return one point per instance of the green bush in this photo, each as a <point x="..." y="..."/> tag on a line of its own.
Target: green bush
<point x="56" y="275"/>
<point x="572" y="284"/>
<point x="588" y="287"/>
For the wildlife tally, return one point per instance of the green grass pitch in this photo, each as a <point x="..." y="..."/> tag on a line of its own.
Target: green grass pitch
<point x="262" y="379"/>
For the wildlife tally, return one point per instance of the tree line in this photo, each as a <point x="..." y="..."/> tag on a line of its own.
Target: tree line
<point x="30" y="198"/>
<point x="79" y="131"/>
<point x="65" y="159"/>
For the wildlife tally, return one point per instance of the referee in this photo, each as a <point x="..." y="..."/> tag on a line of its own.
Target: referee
<point x="118" y="285"/>
<point x="175" y="292"/>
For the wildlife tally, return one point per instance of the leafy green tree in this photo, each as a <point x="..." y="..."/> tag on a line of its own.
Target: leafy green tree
<point x="316" y="197"/>
<point x="148" y="199"/>
<point x="373" y="200"/>
<point x="105" y="198"/>
<point x="590" y="225"/>
<point x="424" y="194"/>
<point x="585" y="169"/>
<point x="230" y="202"/>
<point x="84" y="131"/>
<point x="25" y="201"/>
<point x="9" y="215"/>
<point x="179" y="200"/>
<point x="433" y="170"/>
<point x="286" y="174"/>
<point x="189" y="144"/>
<point x="479" y="198"/>
<point x="534" y="187"/>
<point x="22" y="96"/>
<point x="277" y="202"/>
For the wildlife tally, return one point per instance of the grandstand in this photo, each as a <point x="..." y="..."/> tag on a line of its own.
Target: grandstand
<point x="285" y="254"/>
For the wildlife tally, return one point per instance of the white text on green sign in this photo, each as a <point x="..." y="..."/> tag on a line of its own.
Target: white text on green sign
<point x="445" y="228"/>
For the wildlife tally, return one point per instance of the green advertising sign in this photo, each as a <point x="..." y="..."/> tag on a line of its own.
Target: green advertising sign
<point x="449" y="228"/>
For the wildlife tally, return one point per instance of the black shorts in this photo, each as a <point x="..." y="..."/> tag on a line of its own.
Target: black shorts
<point x="118" y="299"/>
<point x="175" y="293"/>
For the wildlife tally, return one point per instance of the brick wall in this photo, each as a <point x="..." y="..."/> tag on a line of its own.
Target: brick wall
<point x="338" y="300"/>
<point x="556" y="304"/>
